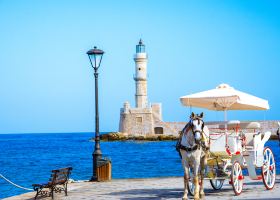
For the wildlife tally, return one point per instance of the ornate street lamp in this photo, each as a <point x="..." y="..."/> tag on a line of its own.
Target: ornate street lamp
<point x="95" y="57"/>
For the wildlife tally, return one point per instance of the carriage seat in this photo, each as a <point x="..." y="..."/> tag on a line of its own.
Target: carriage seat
<point x="250" y="129"/>
<point x="242" y="125"/>
<point x="250" y="125"/>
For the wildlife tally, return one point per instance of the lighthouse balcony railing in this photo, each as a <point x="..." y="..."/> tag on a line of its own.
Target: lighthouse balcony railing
<point x="140" y="76"/>
<point x="140" y="56"/>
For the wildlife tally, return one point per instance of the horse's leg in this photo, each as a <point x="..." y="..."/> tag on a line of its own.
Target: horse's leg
<point x="186" y="174"/>
<point x="203" y="164"/>
<point x="195" y="172"/>
<point x="196" y="187"/>
<point x="186" y="179"/>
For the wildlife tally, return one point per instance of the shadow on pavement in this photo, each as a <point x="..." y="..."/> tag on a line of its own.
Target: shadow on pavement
<point x="139" y="194"/>
<point x="176" y="193"/>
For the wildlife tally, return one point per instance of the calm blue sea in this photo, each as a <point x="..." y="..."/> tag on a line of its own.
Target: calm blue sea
<point x="29" y="158"/>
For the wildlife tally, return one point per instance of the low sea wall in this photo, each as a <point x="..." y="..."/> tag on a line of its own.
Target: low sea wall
<point x="172" y="130"/>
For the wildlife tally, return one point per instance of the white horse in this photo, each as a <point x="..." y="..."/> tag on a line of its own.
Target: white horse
<point x="193" y="147"/>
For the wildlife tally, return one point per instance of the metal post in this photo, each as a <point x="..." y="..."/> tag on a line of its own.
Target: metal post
<point x="96" y="155"/>
<point x="96" y="56"/>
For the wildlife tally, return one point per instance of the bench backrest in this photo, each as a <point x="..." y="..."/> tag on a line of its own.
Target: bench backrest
<point x="60" y="176"/>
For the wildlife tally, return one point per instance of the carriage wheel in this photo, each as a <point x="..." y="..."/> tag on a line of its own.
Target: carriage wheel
<point x="268" y="169"/>
<point x="190" y="184"/>
<point x="217" y="184"/>
<point x="237" y="178"/>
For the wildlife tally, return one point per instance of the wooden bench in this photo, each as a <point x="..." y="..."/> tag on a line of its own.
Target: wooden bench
<point x="57" y="183"/>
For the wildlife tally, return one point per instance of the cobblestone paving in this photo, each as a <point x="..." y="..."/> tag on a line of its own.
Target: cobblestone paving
<point x="156" y="188"/>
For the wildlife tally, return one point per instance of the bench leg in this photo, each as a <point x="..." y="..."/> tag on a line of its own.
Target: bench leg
<point x="51" y="193"/>
<point x="65" y="189"/>
<point x="37" y="192"/>
<point x="40" y="191"/>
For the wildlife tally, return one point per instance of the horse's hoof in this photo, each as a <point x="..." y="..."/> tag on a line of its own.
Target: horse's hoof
<point x="196" y="197"/>
<point x="202" y="195"/>
<point x="185" y="198"/>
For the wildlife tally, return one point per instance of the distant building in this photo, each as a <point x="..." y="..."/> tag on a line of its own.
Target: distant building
<point x="145" y="118"/>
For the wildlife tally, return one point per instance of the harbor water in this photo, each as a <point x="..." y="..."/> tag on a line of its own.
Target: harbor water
<point x="28" y="158"/>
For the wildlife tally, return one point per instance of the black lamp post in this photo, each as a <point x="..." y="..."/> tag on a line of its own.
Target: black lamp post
<point x="95" y="57"/>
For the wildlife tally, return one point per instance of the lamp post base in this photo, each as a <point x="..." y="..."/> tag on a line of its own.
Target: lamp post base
<point x="96" y="158"/>
<point x="93" y="179"/>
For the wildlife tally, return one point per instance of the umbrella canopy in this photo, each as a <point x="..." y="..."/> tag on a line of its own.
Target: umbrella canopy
<point x="224" y="97"/>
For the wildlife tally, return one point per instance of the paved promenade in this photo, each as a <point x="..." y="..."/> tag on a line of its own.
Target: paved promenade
<point x="155" y="188"/>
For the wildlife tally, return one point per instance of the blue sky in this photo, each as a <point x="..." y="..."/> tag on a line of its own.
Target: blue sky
<point x="47" y="84"/>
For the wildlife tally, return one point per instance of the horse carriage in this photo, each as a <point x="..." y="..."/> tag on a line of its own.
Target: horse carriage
<point x="224" y="149"/>
<point x="232" y="149"/>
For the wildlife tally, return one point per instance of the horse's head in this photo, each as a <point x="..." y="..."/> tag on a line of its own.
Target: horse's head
<point x="197" y="125"/>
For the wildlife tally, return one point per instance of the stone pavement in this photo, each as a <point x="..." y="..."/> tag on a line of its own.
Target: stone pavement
<point x="156" y="188"/>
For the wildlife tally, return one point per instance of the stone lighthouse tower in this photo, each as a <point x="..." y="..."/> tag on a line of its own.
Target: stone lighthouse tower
<point x="140" y="77"/>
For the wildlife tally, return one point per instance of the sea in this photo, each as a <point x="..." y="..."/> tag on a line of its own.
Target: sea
<point x="26" y="159"/>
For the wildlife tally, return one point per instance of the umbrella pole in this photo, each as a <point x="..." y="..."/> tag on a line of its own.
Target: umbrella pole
<point x="225" y="117"/>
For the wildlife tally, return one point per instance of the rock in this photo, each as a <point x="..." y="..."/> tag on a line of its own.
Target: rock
<point x="104" y="137"/>
<point x="140" y="137"/>
<point x="167" y="137"/>
<point x="130" y="137"/>
<point x="151" y="137"/>
<point x="113" y="136"/>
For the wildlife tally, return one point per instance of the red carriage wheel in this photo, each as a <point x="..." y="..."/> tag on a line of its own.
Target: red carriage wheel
<point x="237" y="178"/>
<point x="268" y="169"/>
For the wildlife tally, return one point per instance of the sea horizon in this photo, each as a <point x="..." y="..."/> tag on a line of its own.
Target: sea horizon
<point x="54" y="133"/>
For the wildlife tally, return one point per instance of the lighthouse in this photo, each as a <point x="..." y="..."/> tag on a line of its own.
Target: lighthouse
<point x="140" y="76"/>
<point x="145" y="118"/>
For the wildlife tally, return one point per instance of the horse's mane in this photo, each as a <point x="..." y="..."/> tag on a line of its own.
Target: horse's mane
<point x="187" y="127"/>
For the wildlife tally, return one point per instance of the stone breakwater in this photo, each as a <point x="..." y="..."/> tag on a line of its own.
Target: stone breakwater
<point x="119" y="136"/>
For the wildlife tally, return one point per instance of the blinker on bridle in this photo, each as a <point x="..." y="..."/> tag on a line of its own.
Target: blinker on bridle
<point x="199" y="120"/>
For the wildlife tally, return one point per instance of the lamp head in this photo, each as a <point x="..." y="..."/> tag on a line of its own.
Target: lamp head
<point x="95" y="57"/>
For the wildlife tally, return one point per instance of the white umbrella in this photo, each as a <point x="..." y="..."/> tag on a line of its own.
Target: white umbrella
<point x="223" y="98"/>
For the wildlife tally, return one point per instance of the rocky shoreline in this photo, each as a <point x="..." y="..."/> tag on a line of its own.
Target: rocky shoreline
<point x="118" y="136"/>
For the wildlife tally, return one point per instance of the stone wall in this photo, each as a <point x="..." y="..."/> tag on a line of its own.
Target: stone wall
<point x="270" y="125"/>
<point x="137" y="121"/>
<point x="172" y="128"/>
<point x="156" y="109"/>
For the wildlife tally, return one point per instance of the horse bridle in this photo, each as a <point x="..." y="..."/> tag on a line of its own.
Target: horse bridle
<point x="191" y="125"/>
<point x="201" y="143"/>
